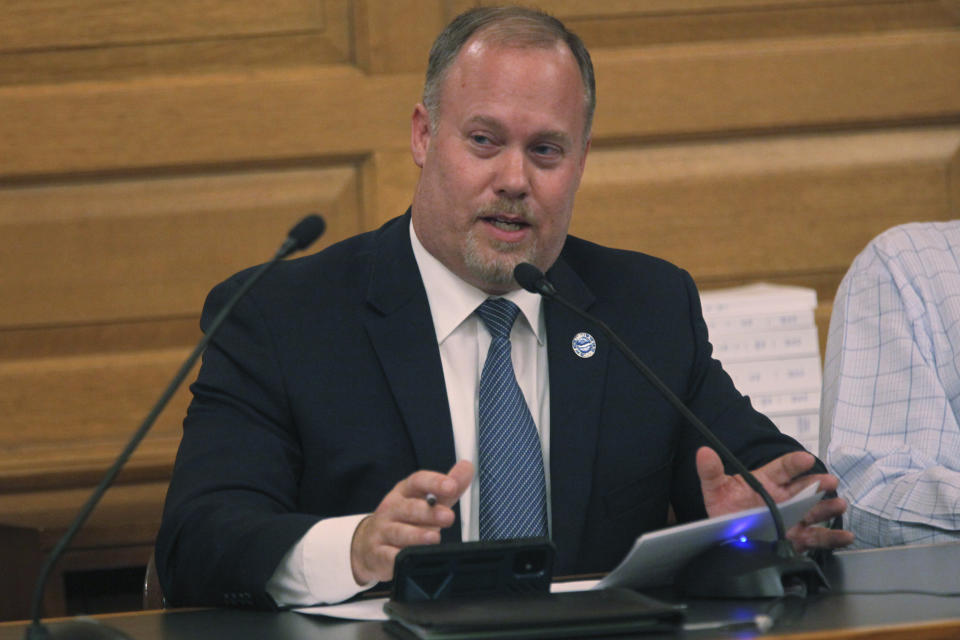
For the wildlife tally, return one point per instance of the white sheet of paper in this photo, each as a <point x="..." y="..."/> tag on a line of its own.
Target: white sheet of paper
<point x="656" y="557"/>
<point x="372" y="609"/>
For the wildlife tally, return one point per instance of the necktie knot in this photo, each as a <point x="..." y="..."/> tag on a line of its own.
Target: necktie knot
<point x="498" y="314"/>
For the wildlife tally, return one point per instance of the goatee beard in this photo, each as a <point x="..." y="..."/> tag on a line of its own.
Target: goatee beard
<point x="493" y="264"/>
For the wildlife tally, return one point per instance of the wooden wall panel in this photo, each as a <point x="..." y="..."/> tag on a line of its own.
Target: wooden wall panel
<point x="288" y="115"/>
<point x="140" y="248"/>
<point x="737" y="211"/>
<point x="47" y="24"/>
<point x="793" y="83"/>
<point x="390" y="179"/>
<point x="659" y="91"/>
<point x="646" y="22"/>
<point x="395" y="37"/>
<point x="130" y="64"/>
<point x="66" y="418"/>
<point x="45" y="392"/>
<point x="54" y="41"/>
<point x="123" y="504"/>
<point x="572" y="9"/>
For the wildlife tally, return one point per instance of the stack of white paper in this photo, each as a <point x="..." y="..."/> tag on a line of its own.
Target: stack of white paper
<point x="766" y="338"/>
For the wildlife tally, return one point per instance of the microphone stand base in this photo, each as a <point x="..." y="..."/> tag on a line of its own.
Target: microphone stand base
<point x="750" y="570"/>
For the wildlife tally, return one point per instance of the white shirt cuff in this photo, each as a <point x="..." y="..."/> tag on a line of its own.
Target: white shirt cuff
<point x="316" y="570"/>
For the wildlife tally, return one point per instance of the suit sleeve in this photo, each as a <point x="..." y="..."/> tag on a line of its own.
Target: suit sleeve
<point x="230" y="513"/>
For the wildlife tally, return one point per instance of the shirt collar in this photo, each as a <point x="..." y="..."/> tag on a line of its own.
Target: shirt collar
<point x="452" y="300"/>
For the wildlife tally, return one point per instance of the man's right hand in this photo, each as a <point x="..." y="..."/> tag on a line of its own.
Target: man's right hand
<point x="404" y="519"/>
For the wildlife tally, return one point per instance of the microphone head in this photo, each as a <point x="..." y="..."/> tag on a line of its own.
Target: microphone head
<point x="306" y="231"/>
<point x="528" y="277"/>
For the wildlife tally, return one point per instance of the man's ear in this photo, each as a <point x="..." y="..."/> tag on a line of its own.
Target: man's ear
<point x="419" y="134"/>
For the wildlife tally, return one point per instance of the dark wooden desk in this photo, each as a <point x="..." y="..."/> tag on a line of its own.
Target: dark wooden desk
<point x="838" y="615"/>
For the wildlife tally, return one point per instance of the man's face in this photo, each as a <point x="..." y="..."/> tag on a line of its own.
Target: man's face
<point x="502" y="165"/>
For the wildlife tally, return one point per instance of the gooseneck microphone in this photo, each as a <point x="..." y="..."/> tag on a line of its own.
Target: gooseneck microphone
<point x="730" y="570"/>
<point x="302" y="235"/>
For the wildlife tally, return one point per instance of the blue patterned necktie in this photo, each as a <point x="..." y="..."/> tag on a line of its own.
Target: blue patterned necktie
<point x="512" y="488"/>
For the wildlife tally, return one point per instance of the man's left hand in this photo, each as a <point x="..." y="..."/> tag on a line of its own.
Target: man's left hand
<point x="782" y="479"/>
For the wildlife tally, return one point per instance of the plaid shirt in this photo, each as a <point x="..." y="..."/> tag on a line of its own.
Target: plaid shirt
<point x="891" y="387"/>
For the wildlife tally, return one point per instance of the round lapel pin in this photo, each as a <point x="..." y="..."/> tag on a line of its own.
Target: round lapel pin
<point x="584" y="345"/>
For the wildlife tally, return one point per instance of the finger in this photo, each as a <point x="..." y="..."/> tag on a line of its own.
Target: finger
<point x="401" y="535"/>
<point x="710" y="470"/>
<point x="805" y="538"/>
<point x="825" y="483"/>
<point x="784" y="469"/>
<point x="824" y="510"/>
<point x="415" y="511"/>
<point x="420" y="483"/>
<point x="444" y="488"/>
<point x="828" y="482"/>
<point x="462" y="472"/>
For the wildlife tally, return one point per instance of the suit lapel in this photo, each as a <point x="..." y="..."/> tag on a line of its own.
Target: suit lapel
<point x="401" y="330"/>
<point x="576" y="390"/>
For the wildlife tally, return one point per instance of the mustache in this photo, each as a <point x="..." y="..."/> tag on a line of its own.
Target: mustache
<point x="504" y="207"/>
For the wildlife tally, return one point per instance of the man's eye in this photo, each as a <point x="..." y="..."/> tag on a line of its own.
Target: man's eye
<point x="547" y="150"/>
<point x="480" y="139"/>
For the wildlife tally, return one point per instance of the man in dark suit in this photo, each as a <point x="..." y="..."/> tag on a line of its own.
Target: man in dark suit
<point x="343" y="390"/>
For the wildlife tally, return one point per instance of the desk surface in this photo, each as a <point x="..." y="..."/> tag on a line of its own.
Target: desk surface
<point x="839" y="614"/>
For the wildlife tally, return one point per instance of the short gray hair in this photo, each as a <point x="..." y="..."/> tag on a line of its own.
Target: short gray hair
<point x="516" y="26"/>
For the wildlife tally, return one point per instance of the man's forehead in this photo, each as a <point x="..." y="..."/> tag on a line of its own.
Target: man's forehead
<point x="482" y="43"/>
<point x="468" y="67"/>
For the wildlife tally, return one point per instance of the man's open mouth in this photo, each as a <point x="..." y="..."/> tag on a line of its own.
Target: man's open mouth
<point x="505" y="223"/>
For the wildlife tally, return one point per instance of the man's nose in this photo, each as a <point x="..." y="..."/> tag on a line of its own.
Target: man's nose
<point x="512" y="180"/>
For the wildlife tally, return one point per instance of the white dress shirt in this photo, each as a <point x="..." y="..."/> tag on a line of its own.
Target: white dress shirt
<point x="317" y="568"/>
<point x="891" y="387"/>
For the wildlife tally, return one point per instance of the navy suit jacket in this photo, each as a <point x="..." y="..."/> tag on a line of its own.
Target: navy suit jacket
<point x="325" y="388"/>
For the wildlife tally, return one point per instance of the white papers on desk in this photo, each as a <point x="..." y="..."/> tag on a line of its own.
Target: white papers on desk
<point x="656" y="557"/>
<point x="368" y="609"/>
<point x="372" y="608"/>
